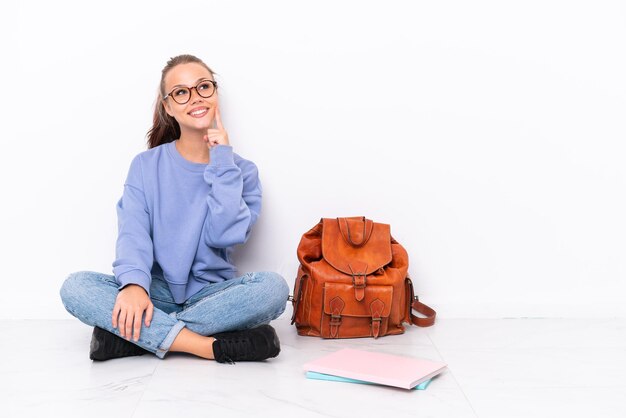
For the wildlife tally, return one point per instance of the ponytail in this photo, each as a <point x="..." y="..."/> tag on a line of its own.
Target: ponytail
<point x="164" y="127"/>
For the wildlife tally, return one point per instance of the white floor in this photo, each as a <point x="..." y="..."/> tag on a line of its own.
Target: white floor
<point x="496" y="368"/>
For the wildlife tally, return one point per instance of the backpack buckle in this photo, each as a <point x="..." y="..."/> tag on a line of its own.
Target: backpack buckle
<point x="357" y="282"/>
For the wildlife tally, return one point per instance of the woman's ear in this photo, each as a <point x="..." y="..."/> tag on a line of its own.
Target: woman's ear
<point x="166" y="106"/>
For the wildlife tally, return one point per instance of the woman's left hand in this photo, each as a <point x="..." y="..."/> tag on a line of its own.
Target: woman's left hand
<point x="216" y="136"/>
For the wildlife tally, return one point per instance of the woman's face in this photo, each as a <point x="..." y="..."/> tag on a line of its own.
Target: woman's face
<point x="198" y="113"/>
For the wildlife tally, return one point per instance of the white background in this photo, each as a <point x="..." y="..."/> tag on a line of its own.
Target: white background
<point x="489" y="134"/>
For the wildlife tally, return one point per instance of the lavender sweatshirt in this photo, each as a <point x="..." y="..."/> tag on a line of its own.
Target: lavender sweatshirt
<point x="180" y="220"/>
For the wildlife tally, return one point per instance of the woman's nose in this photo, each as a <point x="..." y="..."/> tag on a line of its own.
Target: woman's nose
<point x="192" y="91"/>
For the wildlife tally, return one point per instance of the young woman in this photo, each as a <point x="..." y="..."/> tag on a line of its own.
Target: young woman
<point x="187" y="201"/>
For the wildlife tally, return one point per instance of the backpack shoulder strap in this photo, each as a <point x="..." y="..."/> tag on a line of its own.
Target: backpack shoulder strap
<point x="425" y="310"/>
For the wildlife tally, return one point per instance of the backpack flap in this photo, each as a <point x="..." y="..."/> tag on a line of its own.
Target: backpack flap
<point x="357" y="247"/>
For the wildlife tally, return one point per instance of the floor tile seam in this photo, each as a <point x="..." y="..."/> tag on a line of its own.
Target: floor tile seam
<point x="156" y="366"/>
<point x="569" y="347"/>
<point x="453" y="377"/>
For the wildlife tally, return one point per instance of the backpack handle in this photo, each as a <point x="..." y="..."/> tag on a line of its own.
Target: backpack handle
<point x="349" y="228"/>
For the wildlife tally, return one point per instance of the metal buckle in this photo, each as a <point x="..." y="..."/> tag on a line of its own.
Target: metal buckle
<point x="359" y="286"/>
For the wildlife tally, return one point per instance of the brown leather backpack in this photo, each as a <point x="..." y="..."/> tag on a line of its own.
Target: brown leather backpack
<point x="352" y="282"/>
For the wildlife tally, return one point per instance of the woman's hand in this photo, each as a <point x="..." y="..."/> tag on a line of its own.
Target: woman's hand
<point x="216" y="136"/>
<point x="129" y="307"/>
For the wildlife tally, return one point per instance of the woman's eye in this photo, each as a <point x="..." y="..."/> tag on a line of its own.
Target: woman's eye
<point x="204" y="86"/>
<point x="180" y="92"/>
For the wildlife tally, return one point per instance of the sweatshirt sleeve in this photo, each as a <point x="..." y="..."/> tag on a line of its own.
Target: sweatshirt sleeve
<point x="234" y="199"/>
<point x="133" y="250"/>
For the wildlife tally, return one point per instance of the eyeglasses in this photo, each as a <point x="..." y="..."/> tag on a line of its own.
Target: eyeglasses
<point x="181" y="95"/>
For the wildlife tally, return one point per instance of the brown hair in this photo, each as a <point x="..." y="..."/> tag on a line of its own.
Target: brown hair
<point x="164" y="127"/>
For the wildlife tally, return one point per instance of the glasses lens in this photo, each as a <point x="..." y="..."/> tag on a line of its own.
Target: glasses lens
<point x="181" y="95"/>
<point x="205" y="89"/>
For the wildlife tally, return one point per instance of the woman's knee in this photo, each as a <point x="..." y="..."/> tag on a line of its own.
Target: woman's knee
<point x="76" y="286"/>
<point x="276" y="289"/>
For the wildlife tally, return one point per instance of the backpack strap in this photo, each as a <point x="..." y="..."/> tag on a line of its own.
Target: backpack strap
<point x="424" y="310"/>
<point x="297" y="293"/>
<point x="421" y="308"/>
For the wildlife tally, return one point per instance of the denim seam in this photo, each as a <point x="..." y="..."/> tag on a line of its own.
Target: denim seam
<point x="195" y="305"/>
<point x="269" y="318"/>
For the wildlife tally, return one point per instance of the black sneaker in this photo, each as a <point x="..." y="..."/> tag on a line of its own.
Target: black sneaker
<point x="254" y="344"/>
<point x="106" y="345"/>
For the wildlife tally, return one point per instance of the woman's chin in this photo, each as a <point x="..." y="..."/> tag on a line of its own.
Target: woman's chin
<point x="198" y="127"/>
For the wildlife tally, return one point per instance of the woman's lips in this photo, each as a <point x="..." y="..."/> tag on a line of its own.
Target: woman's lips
<point x="198" y="112"/>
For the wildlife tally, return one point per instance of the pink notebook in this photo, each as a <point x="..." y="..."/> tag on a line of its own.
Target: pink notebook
<point x="385" y="369"/>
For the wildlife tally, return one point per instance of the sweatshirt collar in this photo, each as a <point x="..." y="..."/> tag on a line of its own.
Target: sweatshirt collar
<point x="180" y="160"/>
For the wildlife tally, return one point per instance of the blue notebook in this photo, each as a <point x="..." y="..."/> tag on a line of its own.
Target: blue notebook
<point x="322" y="376"/>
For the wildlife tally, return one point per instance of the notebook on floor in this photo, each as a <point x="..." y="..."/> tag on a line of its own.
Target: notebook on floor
<point x="375" y="367"/>
<point x="322" y="376"/>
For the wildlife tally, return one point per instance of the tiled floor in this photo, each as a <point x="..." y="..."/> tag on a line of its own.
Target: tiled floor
<point x="496" y="368"/>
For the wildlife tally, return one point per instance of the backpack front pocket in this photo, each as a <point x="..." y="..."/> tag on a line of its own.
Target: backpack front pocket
<point x="346" y="317"/>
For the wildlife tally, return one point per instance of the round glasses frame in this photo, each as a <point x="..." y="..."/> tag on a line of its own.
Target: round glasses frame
<point x="170" y="94"/>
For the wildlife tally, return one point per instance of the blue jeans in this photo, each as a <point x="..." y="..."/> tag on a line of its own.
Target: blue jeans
<point x="245" y="302"/>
